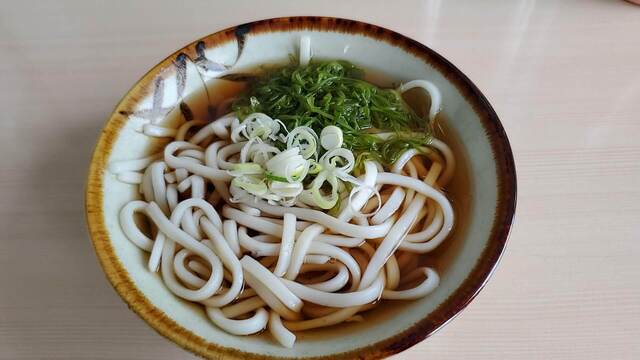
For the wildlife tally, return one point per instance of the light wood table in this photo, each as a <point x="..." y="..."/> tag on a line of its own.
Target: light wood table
<point x="564" y="76"/>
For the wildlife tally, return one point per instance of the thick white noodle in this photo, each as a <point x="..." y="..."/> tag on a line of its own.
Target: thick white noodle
<point x="300" y="249"/>
<point x="429" y="231"/>
<point x="432" y="90"/>
<point x="129" y="227"/>
<point x="266" y="277"/>
<point x="428" y="285"/>
<point x="390" y="207"/>
<point x="209" y="211"/>
<point x="226" y="152"/>
<point x="249" y="210"/>
<point x="116" y="167"/>
<point x="146" y="188"/>
<point x="393" y="272"/>
<point x="195" y="183"/>
<point x="182" y="272"/>
<point x="340" y="255"/>
<point x="156" y="252"/>
<point x="255" y="247"/>
<point x="159" y="185"/>
<point x="340" y="300"/>
<point x="184" y="128"/>
<point x="231" y="262"/>
<point x="320" y="218"/>
<point x="361" y="198"/>
<point x="243" y="307"/>
<point x="285" y="337"/>
<point x="197" y="216"/>
<point x="286" y="244"/>
<point x="402" y="160"/>
<point x="337" y="225"/>
<point x="410" y="193"/>
<point x="172" y="196"/>
<point x="449" y="159"/>
<point x="267" y="295"/>
<point x="300" y="225"/>
<point x="218" y="127"/>
<point x="401" y="227"/>
<point x="326" y="320"/>
<point x="323" y="321"/>
<point x="183" y="162"/>
<point x="316" y="259"/>
<point x="335" y="283"/>
<point x="249" y="326"/>
<point x="211" y="161"/>
<point x="339" y="240"/>
<point x="158" y="131"/>
<point x="252" y="222"/>
<point x="189" y="225"/>
<point x="230" y="229"/>
<point x="181" y="174"/>
<point x="174" y="233"/>
<point x="426" y="190"/>
<point x="305" y="50"/>
<point x="200" y="269"/>
<point x="130" y="177"/>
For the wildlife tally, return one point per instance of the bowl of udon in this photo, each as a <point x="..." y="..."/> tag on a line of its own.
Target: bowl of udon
<point x="301" y="187"/>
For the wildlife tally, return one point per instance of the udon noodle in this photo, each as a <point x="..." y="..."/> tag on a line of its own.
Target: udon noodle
<point x="280" y="263"/>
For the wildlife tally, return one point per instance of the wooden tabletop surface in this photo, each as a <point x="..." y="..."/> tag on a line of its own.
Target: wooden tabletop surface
<point x="564" y="77"/>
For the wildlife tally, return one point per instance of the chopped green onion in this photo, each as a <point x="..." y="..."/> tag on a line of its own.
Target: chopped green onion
<point x="269" y="176"/>
<point x="251" y="184"/>
<point x="314" y="167"/>
<point x="246" y="169"/>
<point x="331" y="137"/>
<point x="304" y="138"/>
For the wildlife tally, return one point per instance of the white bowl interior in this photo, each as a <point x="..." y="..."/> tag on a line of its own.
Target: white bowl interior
<point x="475" y="196"/>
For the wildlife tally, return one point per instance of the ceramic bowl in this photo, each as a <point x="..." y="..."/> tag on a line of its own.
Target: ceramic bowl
<point x="483" y="192"/>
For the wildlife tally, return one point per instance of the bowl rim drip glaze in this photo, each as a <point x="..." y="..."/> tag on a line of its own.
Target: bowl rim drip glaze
<point x="476" y="279"/>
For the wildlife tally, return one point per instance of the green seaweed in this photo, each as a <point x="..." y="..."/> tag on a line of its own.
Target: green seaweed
<point x="334" y="93"/>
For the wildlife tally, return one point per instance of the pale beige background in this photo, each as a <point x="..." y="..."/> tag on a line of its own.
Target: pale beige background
<point x="564" y="76"/>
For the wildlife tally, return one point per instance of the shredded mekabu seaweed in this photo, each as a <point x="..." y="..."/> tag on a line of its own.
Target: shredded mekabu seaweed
<point x="334" y="93"/>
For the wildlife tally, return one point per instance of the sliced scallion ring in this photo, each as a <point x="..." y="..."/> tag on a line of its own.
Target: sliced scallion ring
<point x="258" y="125"/>
<point x="245" y="149"/>
<point x="296" y="169"/>
<point x="269" y="176"/>
<point x="288" y="164"/>
<point x="341" y="159"/>
<point x="261" y="152"/>
<point x="331" y="137"/>
<point x="246" y="169"/>
<point x="287" y="190"/>
<point x="314" y="167"/>
<point x="320" y="200"/>
<point x="252" y="184"/>
<point x="304" y="138"/>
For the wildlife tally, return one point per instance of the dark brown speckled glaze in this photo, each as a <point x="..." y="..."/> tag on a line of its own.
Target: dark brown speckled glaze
<point x="121" y="281"/>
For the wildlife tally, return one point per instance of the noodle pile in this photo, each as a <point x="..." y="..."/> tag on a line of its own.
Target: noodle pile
<point x="256" y="264"/>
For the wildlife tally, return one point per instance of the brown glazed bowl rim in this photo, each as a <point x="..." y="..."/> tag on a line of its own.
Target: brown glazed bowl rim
<point x="477" y="278"/>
